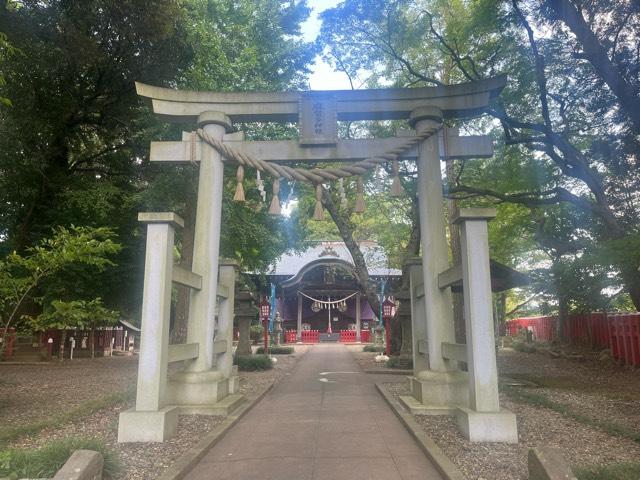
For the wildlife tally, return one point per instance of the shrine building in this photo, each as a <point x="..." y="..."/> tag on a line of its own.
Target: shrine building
<point x="318" y="296"/>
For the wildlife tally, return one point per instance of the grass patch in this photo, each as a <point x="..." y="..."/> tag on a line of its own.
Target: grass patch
<point x="277" y="350"/>
<point x="46" y="461"/>
<point x="373" y="348"/>
<point x="539" y="400"/>
<point x="83" y="410"/>
<point x="252" y="363"/>
<point x="616" y="471"/>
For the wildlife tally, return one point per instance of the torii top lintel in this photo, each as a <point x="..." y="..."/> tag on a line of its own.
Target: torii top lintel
<point x="461" y="100"/>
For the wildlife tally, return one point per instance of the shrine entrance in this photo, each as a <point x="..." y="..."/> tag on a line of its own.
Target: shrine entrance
<point x="208" y="382"/>
<point x="319" y="298"/>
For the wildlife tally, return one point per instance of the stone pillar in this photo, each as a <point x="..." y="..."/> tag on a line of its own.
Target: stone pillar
<point x="150" y="420"/>
<point x="418" y="323"/>
<point x="483" y="421"/>
<point x="244" y="313"/>
<point x="435" y="253"/>
<point x="206" y="244"/>
<point x="223" y="341"/>
<point x="358" y="315"/>
<point x="299" y="325"/>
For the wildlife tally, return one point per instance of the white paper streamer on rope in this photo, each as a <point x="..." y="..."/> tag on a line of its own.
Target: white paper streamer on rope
<point x="328" y="302"/>
<point x="260" y="184"/>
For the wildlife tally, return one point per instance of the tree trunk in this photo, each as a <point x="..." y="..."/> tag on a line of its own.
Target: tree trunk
<point x="63" y="339"/>
<point x="181" y="318"/>
<point x="346" y="228"/>
<point x="456" y="256"/>
<point x="563" y="314"/>
<point x="92" y="342"/>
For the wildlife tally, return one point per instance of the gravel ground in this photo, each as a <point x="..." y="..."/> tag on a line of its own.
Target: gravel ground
<point x="89" y="380"/>
<point x="605" y="392"/>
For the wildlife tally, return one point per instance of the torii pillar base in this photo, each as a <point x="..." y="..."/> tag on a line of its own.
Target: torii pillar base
<point x="437" y="393"/>
<point x="487" y="426"/>
<point x="147" y="426"/>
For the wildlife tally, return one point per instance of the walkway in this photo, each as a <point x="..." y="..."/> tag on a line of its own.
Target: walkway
<point x="306" y="428"/>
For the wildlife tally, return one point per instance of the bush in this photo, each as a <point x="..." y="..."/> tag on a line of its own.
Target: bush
<point x="251" y="363"/>
<point x="277" y="350"/>
<point x="46" y="461"/>
<point x="256" y="333"/>
<point x="400" y="362"/>
<point x="373" y="348"/>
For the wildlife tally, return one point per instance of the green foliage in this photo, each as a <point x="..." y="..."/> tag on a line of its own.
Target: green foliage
<point x="373" y="348"/>
<point x="274" y="350"/>
<point x="615" y="471"/>
<point x="523" y="347"/>
<point x="74" y="314"/>
<point x="251" y="363"/>
<point x="398" y="362"/>
<point x="47" y="460"/>
<point x="22" y="275"/>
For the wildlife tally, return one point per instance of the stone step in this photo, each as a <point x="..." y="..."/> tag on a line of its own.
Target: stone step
<point x="224" y="407"/>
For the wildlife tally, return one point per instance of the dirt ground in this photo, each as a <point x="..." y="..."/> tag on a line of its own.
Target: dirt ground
<point x="603" y="396"/>
<point x="31" y="393"/>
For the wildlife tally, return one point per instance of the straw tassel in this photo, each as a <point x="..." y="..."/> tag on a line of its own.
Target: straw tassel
<point x="239" y="196"/>
<point x="318" y="212"/>
<point x="396" y="186"/>
<point x="274" y="208"/>
<point x="359" y="206"/>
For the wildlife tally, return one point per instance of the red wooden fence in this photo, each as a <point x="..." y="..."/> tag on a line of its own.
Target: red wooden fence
<point x="290" y="336"/>
<point x="347" y="336"/>
<point x="9" y="338"/>
<point x="365" y="336"/>
<point x="618" y="331"/>
<point x="310" y="336"/>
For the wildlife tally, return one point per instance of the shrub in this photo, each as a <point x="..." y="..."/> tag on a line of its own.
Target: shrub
<point x="251" y="363"/>
<point x="400" y="362"/>
<point x="373" y="348"/>
<point x="46" y="461"/>
<point x="256" y="333"/>
<point x="277" y="350"/>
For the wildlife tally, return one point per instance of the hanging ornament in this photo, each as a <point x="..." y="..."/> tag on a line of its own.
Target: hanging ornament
<point x="318" y="213"/>
<point x="315" y="307"/>
<point x="260" y="184"/>
<point x="343" y="195"/>
<point x="239" y="196"/>
<point x="396" y="186"/>
<point x="274" y="208"/>
<point x="359" y="206"/>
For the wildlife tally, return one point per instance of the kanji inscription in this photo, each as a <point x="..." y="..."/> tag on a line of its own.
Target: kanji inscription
<point x="318" y="121"/>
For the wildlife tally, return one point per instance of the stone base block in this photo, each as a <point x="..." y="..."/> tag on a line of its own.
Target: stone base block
<point x="417" y="408"/>
<point x="197" y="388"/>
<point x="234" y="384"/>
<point x="224" y="407"/>
<point x="487" y="426"/>
<point x="441" y="390"/>
<point x="139" y="426"/>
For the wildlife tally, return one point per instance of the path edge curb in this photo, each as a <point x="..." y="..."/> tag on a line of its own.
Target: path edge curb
<point x="186" y="462"/>
<point x="445" y="467"/>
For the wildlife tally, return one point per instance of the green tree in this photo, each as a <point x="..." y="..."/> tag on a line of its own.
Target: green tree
<point x="569" y="139"/>
<point x="61" y="315"/>
<point x="21" y="276"/>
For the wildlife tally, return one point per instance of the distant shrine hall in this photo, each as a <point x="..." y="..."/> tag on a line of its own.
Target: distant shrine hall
<point x="317" y="294"/>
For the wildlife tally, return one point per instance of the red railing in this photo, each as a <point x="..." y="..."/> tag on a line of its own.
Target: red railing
<point x="8" y="338"/>
<point x="347" y="336"/>
<point x="619" y="331"/>
<point x="310" y="336"/>
<point x="290" y="336"/>
<point x="365" y="336"/>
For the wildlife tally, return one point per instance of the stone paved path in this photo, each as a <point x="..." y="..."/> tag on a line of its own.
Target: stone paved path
<point x="311" y="429"/>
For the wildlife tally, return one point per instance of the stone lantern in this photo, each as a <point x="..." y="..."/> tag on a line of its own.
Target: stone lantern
<point x="277" y="329"/>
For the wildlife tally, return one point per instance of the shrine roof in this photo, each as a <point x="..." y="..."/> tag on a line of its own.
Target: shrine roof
<point x="290" y="263"/>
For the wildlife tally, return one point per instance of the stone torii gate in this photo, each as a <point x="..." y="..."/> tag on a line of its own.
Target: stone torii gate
<point x="438" y="386"/>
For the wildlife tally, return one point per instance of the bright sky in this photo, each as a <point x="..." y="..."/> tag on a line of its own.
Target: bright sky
<point x="323" y="77"/>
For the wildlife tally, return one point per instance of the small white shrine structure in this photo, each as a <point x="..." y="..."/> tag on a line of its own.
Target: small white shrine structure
<point x="439" y="385"/>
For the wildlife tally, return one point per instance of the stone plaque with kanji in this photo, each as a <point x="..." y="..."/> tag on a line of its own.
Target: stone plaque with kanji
<point x="318" y="119"/>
